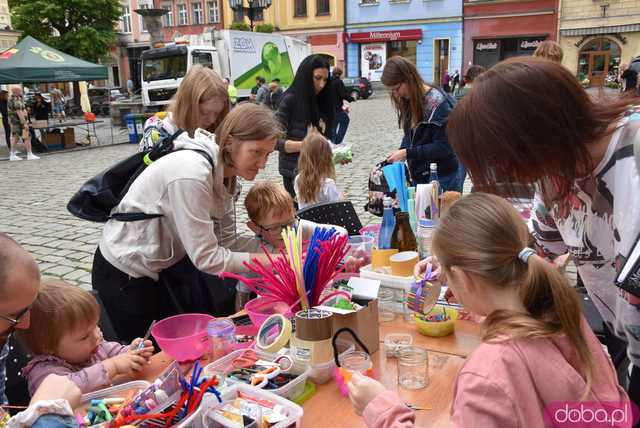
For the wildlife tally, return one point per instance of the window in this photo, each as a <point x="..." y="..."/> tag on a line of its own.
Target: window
<point x="214" y="12"/>
<point x="167" y="18"/>
<point x="300" y="8"/>
<point x="258" y="15"/>
<point x="196" y="13"/>
<point x="238" y="15"/>
<point x="182" y="14"/>
<point x="202" y="58"/>
<point x="368" y="2"/>
<point x="143" y="27"/>
<point x="126" y="19"/>
<point x="322" y="7"/>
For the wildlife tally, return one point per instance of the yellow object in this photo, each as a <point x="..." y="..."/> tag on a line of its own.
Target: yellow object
<point x="161" y="115"/>
<point x="233" y="93"/>
<point x="380" y="258"/>
<point x="274" y="333"/>
<point x="85" y="104"/>
<point x="402" y="264"/>
<point x="437" y="328"/>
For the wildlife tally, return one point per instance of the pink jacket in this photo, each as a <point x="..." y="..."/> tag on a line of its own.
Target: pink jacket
<point x="510" y="384"/>
<point x="89" y="377"/>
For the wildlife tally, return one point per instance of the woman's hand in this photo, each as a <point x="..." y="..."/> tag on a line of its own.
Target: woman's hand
<point x="397" y="156"/>
<point x="362" y="390"/>
<point x="55" y="387"/>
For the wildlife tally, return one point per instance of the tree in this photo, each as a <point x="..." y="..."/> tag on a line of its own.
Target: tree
<point x="82" y="28"/>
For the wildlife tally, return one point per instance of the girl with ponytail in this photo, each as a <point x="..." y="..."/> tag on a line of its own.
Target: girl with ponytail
<point x="537" y="350"/>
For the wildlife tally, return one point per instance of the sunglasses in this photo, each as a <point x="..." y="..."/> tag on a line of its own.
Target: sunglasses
<point x="278" y="228"/>
<point x="14" y="321"/>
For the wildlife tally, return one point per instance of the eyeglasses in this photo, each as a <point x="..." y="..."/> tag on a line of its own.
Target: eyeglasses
<point x="14" y="322"/>
<point x="277" y="228"/>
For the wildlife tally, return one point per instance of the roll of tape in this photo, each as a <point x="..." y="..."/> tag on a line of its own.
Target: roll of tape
<point x="314" y="325"/>
<point x="274" y="333"/>
<point x="380" y="257"/>
<point x="402" y="264"/>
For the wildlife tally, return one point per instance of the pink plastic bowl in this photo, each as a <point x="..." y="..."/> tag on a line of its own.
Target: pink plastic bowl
<point x="259" y="309"/>
<point x="184" y="337"/>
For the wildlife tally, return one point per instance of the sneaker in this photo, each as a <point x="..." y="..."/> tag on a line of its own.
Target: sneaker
<point x="31" y="156"/>
<point x="14" y="157"/>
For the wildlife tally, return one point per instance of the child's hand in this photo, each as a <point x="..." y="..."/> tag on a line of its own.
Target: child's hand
<point x="124" y="364"/>
<point x="146" y="352"/>
<point x="362" y="390"/>
<point x="421" y="267"/>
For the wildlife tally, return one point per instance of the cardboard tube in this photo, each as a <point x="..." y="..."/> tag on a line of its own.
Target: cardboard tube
<point x="402" y="264"/>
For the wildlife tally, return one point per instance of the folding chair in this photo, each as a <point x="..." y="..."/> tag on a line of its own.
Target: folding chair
<point x="339" y="213"/>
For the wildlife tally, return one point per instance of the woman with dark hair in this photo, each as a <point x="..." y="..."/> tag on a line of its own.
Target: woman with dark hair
<point x="423" y="111"/>
<point x="529" y="121"/>
<point x="310" y="101"/>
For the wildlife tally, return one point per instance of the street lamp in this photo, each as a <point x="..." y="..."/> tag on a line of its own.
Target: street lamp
<point x="255" y="6"/>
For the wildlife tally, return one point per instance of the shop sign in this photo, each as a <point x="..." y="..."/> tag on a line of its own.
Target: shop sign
<point x="530" y="44"/>
<point x="486" y="46"/>
<point x="385" y="36"/>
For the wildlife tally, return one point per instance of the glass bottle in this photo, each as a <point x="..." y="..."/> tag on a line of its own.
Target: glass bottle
<point x="433" y="172"/>
<point x="403" y="238"/>
<point x="388" y="224"/>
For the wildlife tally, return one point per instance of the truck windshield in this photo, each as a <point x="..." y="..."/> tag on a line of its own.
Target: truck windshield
<point x="168" y="67"/>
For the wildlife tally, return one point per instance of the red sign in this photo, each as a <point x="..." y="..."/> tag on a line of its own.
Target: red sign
<point x="385" y="36"/>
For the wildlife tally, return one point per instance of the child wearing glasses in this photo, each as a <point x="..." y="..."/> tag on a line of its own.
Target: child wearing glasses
<point x="65" y="339"/>
<point x="270" y="210"/>
<point x="316" y="179"/>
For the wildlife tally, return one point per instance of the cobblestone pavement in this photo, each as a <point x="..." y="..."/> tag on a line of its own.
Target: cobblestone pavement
<point x="35" y="193"/>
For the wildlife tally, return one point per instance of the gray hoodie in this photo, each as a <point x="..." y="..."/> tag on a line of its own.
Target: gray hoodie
<point x="198" y="216"/>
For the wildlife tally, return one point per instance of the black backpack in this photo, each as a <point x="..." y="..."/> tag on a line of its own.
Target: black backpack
<point x="100" y="194"/>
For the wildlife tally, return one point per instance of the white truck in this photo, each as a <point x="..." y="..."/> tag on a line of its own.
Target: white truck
<point x="238" y="55"/>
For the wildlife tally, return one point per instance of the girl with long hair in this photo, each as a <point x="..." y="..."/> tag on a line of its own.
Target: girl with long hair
<point x="536" y="342"/>
<point x="310" y="101"/>
<point x="316" y="179"/>
<point x="529" y="121"/>
<point x="201" y="101"/>
<point x="423" y="111"/>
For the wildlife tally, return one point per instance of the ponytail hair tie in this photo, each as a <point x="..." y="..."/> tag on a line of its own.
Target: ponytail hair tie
<point x="525" y="254"/>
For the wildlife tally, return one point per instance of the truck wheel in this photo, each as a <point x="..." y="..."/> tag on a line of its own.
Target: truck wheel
<point x="355" y="95"/>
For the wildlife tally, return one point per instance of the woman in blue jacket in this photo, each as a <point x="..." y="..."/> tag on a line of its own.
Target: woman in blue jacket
<point x="423" y="111"/>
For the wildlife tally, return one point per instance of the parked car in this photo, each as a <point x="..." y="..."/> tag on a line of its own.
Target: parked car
<point x="358" y="87"/>
<point x="101" y="99"/>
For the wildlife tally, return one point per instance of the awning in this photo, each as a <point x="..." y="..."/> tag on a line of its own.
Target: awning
<point x="600" y="30"/>
<point x="385" y="36"/>
<point x="33" y="61"/>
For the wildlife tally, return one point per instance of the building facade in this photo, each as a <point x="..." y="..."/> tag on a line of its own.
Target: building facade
<point x="182" y="17"/>
<point x="319" y="22"/>
<point x="496" y="30"/>
<point x="8" y="37"/>
<point x="428" y="33"/>
<point x="598" y="37"/>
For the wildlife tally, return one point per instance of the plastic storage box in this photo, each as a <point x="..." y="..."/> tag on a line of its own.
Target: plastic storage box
<point x="294" y="413"/>
<point x="290" y="390"/>
<point x="387" y="280"/>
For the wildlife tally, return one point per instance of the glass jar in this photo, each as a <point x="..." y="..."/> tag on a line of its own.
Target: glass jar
<point x="413" y="367"/>
<point x="386" y="305"/>
<point x="424" y="235"/>
<point x="222" y="336"/>
<point x="355" y="361"/>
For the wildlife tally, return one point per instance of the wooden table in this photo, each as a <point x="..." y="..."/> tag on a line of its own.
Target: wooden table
<point x="327" y="408"/>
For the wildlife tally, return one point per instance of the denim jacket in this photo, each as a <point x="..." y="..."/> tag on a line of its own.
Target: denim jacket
<point x="428" y="142"/>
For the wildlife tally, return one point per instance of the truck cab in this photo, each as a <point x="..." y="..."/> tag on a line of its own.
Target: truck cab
<point x="164" y="67"/>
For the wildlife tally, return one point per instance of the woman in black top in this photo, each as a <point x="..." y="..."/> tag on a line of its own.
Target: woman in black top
<point x="309" y="101"/>
<point x="40" y="115"/>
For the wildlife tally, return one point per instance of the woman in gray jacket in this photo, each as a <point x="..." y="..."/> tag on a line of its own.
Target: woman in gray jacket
<point x="150" y="269"/>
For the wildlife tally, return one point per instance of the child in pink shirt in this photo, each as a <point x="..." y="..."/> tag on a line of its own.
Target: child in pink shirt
<point x="538" y="353"/>
<point x="66" y="340"/>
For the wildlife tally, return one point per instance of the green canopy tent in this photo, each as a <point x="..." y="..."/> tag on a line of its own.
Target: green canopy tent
<point x="31" y="61"/>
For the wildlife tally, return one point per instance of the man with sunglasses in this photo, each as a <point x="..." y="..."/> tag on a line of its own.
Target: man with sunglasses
<point x="19" y="284"/>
